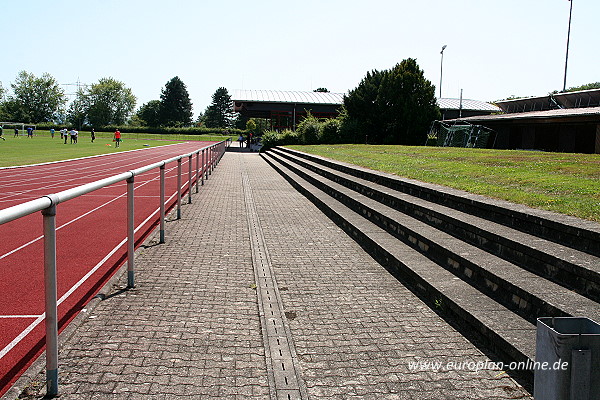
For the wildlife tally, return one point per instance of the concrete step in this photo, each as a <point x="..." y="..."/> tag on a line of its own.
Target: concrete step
<point x="525" y="293"/>
<point x="563" y="229"/>
<point x="508" y="334"/>
<point x="571" y="268"/>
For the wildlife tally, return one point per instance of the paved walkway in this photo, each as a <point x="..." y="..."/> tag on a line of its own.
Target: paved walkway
<point x="251" y="251"/>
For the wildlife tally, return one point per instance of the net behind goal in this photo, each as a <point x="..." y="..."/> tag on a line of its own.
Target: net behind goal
<point x="463" y="135"/>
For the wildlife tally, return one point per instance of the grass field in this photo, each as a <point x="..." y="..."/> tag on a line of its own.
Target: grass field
<point x="42" y="148"/>
<point x="561" y="182"/>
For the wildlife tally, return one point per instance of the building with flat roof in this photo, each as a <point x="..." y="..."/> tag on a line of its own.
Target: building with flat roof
<point x="563" y="122"/>
<point x="285" y="109"/>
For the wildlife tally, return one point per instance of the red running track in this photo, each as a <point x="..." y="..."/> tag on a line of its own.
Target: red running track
<point x="91" y="240"/>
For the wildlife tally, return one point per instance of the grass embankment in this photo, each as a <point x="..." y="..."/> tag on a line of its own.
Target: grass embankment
<point x="41" y="148"/>
<point x="561" y="182"/>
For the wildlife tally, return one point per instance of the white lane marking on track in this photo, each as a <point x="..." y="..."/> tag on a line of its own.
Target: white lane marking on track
<point x="74" y="220"/>
<point x="38" y="320"/>
<point x="89" y="157"/>
<point x="19" y="316"/>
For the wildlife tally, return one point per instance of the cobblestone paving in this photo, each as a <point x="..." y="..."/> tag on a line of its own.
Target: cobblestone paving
<point x="191" y="329"/>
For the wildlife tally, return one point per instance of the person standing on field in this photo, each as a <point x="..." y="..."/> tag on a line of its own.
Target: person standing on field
<point x="52" y="133"/>
<point x="93" y="135"/>
<point x="117" y="138"/>
<point x="2" y="132"/>
<point x="16" y="132"/>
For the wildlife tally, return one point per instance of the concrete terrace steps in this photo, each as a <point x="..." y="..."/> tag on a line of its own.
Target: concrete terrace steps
<point x="446" y="255"/>
<point x="511" y="336"/>
<point x="569" y="231"/>
<point x="525" y="293"/>
<point x="564" y="265"/>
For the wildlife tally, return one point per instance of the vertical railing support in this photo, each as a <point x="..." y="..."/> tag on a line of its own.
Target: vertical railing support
<point x="130" y="233"/>
<point x="179" y="188"/>
<point x="197" y="168"/>
<point x="210" y="159"/>
<point x="162" y="203"/>
<point x="190" y="179"/>
<point x="49" y="216"/>
<point x="203" y="166"/>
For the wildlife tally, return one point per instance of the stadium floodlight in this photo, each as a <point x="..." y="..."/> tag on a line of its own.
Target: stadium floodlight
<point x="568" y="39"/>
<point x="442" y="68"/>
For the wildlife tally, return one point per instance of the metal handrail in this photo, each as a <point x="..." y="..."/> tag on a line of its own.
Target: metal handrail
<point x="47" y="205"/>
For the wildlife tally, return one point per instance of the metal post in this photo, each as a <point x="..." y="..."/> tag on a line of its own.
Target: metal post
<point x="203" y="166"/>
<point x="568" y="40"/>
<point x="179" y="188"/>
<point x="197" y="168"/>
<point x="162" y="203"/>
<point x="49" y="216"/>
<point x="210" y="158"/>
<point x="130" y="233"/>
<point x="190" y="179"/>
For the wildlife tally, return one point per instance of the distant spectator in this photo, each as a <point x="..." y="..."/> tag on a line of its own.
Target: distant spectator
<point x="93" y="135"/>
<point x="2" y="132"/>
<point x="52" y="133"/>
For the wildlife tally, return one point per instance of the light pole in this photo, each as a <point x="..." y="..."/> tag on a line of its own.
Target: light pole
<point x="442" y="68"/>
<point x="568" y="39"/>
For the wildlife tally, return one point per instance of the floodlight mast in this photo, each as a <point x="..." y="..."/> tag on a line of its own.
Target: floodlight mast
<point x="568" y="39"/>
<point x="442" y="68"/>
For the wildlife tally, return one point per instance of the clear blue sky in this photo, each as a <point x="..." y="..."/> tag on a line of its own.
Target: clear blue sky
<point x="495" y="48"/>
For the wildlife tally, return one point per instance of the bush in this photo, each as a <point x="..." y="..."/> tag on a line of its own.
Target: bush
<point x="330" y="131"/>
<point x="270" y="139"/>
<point x="310" y="130"/>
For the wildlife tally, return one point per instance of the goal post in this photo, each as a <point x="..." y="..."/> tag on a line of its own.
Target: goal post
<point x="9" y="128"/>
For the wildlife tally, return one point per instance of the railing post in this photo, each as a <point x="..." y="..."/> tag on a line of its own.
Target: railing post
<point x="49" y="217"/>
<point x="203" y="166"/>
<point x="130" y="233"/>
<point x="197" y="168"/>
<point x="179" y="188"/>
<point x="162" y="203"/>
<point x="190" y="179"/>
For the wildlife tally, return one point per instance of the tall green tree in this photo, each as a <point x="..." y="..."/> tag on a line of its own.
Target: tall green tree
<point x="77" y="112"/>
<point x="149" y="113"/>
<point x="393" y="106"/>
<point x="175" y="104"/>
<point x="219" y="113"/>
<point x="109" y="102"/>
<point x="36" y="99"/>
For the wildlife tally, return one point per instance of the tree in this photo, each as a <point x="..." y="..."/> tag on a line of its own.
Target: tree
<point x="175" y="104"/>
<point x="109" y="103"/>
<point x="36" y="99"/>
<point x="77" y="112"/>
<point x="321" y="90"/>
<point x="394" y="106"/>
<point x="149" y="113"/>
<point x="219" y="113"/>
